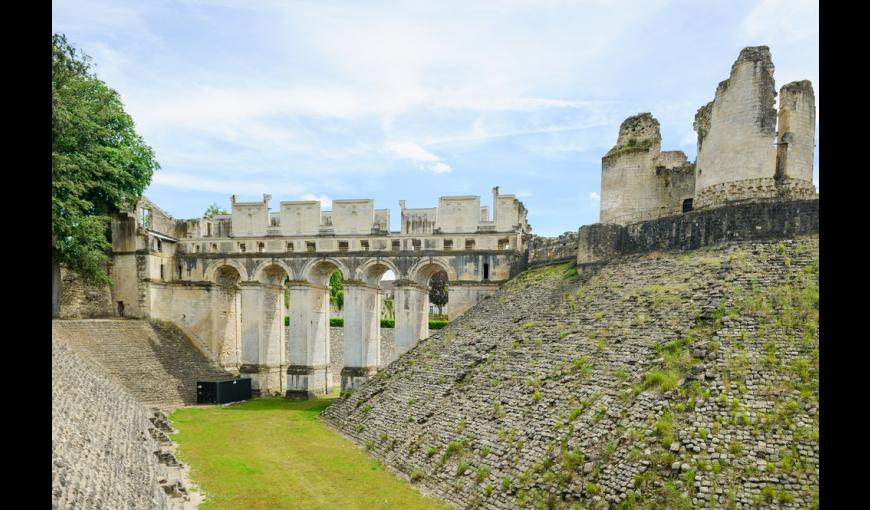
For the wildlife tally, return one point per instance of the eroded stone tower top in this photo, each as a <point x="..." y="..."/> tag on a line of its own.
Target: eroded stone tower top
<point x="640" y="127"/>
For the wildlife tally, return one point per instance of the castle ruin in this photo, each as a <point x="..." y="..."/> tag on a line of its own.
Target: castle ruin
<point x="745" y="150"/>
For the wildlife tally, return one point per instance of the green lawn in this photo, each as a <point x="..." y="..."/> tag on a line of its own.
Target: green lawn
<point x="275" y="453"/>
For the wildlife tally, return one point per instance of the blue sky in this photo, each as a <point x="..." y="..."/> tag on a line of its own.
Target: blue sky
<point x="414" y="100"/>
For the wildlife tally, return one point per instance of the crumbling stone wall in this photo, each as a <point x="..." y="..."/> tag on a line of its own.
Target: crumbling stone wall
<point x="737" y="156"/>
<point x="548" y="250"/>
<point x="663" y="380"/>
<point x="80" y="299"/>
<point x="638" y="181"/>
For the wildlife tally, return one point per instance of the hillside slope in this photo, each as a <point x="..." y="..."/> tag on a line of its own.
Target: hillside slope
<point x="662" y="380"/>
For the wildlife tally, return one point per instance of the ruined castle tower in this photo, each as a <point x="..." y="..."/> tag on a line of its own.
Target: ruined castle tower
<point x="797" y="129"/>
<point x="638" y="181"/>
<point x="739" y="154"/>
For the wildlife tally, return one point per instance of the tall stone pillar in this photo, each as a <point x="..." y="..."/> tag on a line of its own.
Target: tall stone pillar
<point x="251" y="316"/>
<point x="271" y="373"/>
<point x="362" y="334"/>
<point x="308" y="344"/>
<point x="226" y="304"/>
<point x="412" y="315"/>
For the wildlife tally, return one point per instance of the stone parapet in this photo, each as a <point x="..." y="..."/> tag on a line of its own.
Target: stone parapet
<point x="549" y="250"/>
<point x="709" y="226"/>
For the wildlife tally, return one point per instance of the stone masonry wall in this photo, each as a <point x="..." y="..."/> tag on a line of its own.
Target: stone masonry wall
<point x="83" y="300"/>
<point x="666" y="380"/>
<point x="743" y="221"/>
<point x="547" y="250"/>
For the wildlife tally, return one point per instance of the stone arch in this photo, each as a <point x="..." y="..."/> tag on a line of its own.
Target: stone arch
<point x="318" y="271"/>
<point x="423" y="270"/>
<point x="265" y="271"/>
<point x="372" y="269"/>
<point x="212" y="271"/>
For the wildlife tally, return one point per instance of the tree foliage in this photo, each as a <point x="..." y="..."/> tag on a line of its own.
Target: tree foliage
<point x="214" y="210"/>
<point x="438" y="290"/>
<point x="336" y="290"/>
<point x="99" y="164"/>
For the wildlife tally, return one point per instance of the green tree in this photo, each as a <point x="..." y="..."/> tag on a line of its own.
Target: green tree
<point x="99" y="165"/>
<point x="438" y="290"/>
<point x="214" y="210"/>
<point x="336" y="291"/>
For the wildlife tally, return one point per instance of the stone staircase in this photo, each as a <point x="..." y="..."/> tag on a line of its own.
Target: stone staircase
<point x="155" y="361"/>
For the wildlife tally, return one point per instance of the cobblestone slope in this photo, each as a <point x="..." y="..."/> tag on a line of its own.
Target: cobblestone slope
<point x="654" y="381"/>
<point x="155" y="361"/>
<point x="101" y="450"/>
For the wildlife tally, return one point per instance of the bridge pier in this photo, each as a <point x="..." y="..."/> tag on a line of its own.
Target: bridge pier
<point x="362" y="334"/>
<point x="308" y="344"/>
<point x="412" y="315"/>
<point x="262" y="356"/>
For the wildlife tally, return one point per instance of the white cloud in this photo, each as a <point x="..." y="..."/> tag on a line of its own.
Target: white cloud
<point x="220" y="185"/>
<point x="595" y="197"/>
<point x="325" y="201"/>
<point x="440" y="168"/>
<point x="423" y="158"/>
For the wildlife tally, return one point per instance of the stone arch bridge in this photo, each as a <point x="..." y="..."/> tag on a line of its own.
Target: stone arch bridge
<point x="248" y="300"/>
<point x="222" y="279"/>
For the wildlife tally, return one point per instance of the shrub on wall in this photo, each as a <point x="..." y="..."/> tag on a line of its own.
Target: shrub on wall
<point x="338" y="322"/>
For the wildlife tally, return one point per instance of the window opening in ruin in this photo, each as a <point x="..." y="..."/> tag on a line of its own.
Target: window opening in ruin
<point x="310" y="247"/>
<point x="179" y="271"/>
<point x="687" y="205"/>
<point x="145" y="217"/>
<point x="158" y="246"/>
<point x="120" y="308"/>
<point x="214" y="247"/>
<point x="208" y="229"/>
<point x="469" y="244"/>
<point x="486" y="270"/>
<point x="396" y="246"/>
<point x="242" y="247"/>
<point x="161" y="271"/>
<point x="364" y="245"/>
<point x="503" y="244"/>
<point x="448" y="244"/>
<point x="342" y="246"/>
<point x="261" y="247"/>
<point x="289" y="245"/>
<point x="415" y="244"/>
<point x="196" y="248"/>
